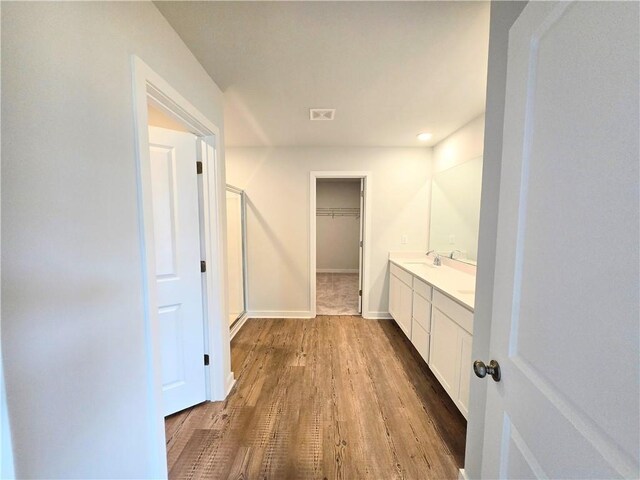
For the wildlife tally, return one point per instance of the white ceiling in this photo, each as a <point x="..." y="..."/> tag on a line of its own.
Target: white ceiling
<point x="390" y="69"/>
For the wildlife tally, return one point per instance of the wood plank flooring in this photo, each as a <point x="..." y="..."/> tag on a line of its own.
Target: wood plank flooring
<point x="335" y="397"/>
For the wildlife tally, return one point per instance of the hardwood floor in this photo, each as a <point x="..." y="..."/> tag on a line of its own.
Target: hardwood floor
<point x="327" y="398"/>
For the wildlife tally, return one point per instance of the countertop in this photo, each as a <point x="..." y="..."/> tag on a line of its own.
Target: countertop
<point x="458" y="285"/>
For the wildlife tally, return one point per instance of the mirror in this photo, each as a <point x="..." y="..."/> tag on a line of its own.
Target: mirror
<point x="455" y="211"/>
<point x="236" y="241"/>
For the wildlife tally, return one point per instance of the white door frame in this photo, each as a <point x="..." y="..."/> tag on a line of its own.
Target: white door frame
<point x="149" y="87"/>
<point x="313" y="177"/>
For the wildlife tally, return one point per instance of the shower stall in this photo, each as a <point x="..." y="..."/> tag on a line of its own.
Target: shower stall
<point x="236" y="256"/>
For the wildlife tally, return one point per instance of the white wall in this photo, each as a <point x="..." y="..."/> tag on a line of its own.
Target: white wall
<point x="503" y="15"/>
<point x="6" y="452"/>
<point x="72" y="305"/>
<point x="338" y="238"/>
<point x="276" y="181"/>
<point x="157" y="118"/>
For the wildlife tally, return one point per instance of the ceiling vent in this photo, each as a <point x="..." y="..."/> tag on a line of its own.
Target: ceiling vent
<point x="321" y="113"/>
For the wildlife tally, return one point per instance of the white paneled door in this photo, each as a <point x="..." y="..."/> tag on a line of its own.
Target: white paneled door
<point x="565" y="328"/>
<point x="177" y="251"/>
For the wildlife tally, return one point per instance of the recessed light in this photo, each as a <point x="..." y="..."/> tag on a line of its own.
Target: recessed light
<point x="424" y="137"/>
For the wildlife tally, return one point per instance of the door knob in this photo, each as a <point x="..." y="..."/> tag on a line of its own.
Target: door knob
<point x="481" y="370"/>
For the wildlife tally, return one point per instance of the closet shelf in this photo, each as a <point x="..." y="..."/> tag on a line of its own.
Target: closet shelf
<point x="337" y="212"/>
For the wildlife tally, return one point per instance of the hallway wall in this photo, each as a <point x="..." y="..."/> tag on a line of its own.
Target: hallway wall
<point x="276" y="181"/>
<point x="73" y="332"/>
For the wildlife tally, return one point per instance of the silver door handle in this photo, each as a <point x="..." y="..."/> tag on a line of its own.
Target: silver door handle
<point x="481" y="370"/>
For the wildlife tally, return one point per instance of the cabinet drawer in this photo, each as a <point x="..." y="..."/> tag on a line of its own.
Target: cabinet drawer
<point x="454" y="311"/>
<point x="422" y="288"/>
<point x="405" y="277"/>
<point x="420" y="340"/>
<point x="422" y="311"/>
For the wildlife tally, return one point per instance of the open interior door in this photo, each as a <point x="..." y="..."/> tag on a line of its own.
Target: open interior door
<point x="565" y="329"/>
<point x="174" y="190"/>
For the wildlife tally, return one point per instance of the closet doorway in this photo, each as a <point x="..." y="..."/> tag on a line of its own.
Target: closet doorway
<point x="338" y="225"/>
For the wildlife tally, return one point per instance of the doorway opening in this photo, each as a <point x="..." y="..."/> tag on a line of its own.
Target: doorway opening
<point x="338" y="238"/>
<point x="338" y="246"/>
<point x="181" y="202"/>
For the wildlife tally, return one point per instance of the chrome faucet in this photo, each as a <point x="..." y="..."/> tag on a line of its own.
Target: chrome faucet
<point x="453" y="252"/>
<point x="436" y="260"/>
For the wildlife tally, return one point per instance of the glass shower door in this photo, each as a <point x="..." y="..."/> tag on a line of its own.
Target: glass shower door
<point x="236" y="254"/>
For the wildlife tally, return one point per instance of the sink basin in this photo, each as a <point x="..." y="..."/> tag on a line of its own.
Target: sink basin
<point x="424" y="264"/>
<point x="467" y="292"/>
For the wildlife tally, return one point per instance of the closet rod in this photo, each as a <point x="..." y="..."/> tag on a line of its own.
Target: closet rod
<point x="337" y="212"/>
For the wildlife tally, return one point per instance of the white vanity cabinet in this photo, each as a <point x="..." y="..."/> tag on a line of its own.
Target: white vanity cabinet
<point x="443" y="357"/>
<point x="439" y="327"/>
<point x="421" y="317"/>
<point x="451" y="340"/>
<point x="466" y="340"/>
<point x="400" y="298"/>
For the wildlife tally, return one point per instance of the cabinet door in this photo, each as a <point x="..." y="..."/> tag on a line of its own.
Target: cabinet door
<point x="420" y="339"/>
<point x="393" y="295"/>
<point x="404" y="299"/>
<point x="444" y="352"/>
<point x="465" y="341"/>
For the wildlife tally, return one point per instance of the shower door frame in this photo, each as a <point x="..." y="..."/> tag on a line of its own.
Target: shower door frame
<point x="239" y="321"/>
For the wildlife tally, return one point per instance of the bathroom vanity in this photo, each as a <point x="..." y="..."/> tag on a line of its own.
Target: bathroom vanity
<point x="433" y="304"/>
<point x="434" y="308"/>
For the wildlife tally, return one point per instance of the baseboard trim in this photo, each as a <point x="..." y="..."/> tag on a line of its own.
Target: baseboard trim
<point x="462" y="475"/>
<point x="282" y="314"/>
<point x="377" y="315"/>
<point x="337" y="270"/>
<point x="238" y="325"/>
<point x="307" y="314"/>
<point x="231" y="381"/>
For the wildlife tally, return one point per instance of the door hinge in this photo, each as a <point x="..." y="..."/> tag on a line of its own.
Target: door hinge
<point x="199" y="168"/>
<point x="360" y="242"/>
<point x="206" y="359"/>
<point x="359" y="293"/>
<point x="203" y="266"/>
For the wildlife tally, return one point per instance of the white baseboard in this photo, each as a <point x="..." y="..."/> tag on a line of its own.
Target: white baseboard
<point x="307" y="314"/>
<point x="231" y="381"/>
<point x="337" y="270"/>
<point x="377" y="315"/>
<point x="462" y="475"/>
<point x="238" y="325"/>
<point x="283" y="314"/>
